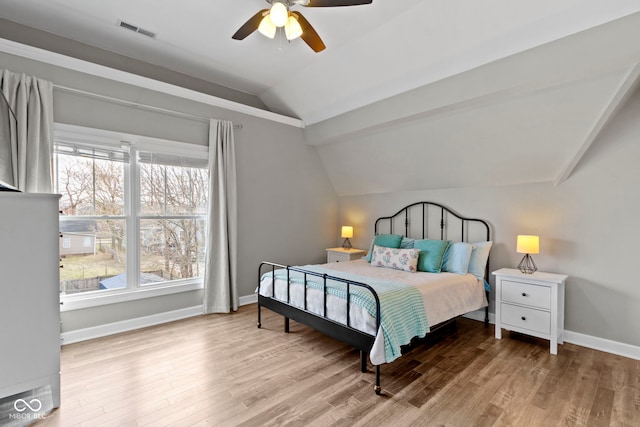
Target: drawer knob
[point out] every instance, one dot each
(523, 318)
(524, 294)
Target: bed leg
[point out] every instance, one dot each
(486, 312)
(286, 324)
(259, 318)
(377, 387)
(363, 361)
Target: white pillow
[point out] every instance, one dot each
(399, 259)
(479, 257)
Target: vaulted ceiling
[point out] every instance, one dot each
(452, 81)
(373, 51)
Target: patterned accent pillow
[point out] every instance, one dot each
(399, 259)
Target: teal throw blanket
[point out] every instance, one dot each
(402, 310)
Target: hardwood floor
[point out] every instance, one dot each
(222, 370)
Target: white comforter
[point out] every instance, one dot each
(445, 295)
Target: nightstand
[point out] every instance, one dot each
(531, 304)
(342, 255)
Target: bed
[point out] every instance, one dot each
(426, 266)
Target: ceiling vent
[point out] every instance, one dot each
(137, 29)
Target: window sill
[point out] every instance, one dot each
(79, 301)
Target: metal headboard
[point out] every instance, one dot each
(433, 218)
(429, 220)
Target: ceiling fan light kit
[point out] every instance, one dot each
(292, 28)
(267, 28)
(279, 15)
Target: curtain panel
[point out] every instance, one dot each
(220, 277)
(26, 142)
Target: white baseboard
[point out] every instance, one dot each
(595, 343)
(128, 325)
(249, 299)
(608, 346)
(139, 322)
(479, 316)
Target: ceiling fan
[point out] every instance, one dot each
(280, 15)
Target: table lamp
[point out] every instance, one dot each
(347, 233)
(528, 245)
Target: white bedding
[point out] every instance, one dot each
(445, 296)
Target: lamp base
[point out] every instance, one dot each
(527, 266)
(346, 244)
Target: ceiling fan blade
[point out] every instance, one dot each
(336, 3)
(250, 26)
(309, 35)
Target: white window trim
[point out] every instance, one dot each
(84, 135)
(106, 297)
(80, 134)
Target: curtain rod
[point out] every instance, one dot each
(138, 105)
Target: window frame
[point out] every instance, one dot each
(132, 216)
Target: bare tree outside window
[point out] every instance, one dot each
(172, 202)
(170, 224)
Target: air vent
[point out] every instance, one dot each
(137, 29)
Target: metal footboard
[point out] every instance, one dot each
(321, 322)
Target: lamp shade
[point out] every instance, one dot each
(267, 28)
(292, 28)
(278, 14)
(528, 244)
(347, 232)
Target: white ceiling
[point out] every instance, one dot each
(373, 52)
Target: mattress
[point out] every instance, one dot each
(445, 296)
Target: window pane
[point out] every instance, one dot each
(98, 265)
(89, 185)
(171, 249)
(171, 189)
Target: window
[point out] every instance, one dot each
(133, 214)
(173, 197)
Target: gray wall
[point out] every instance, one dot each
(287, 206)
(588, 227)
(289, 212)
(53, 43)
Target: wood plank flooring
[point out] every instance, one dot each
(221, 370)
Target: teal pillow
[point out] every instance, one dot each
(387, 240)
(456, 258)
(431, 253)
(479, 258)
(406, 243)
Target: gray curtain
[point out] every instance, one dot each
(220, 277)
(26, 143)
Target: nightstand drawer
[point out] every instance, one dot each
(334, 257)
(526, 318)
(526, 294)
(343, 255)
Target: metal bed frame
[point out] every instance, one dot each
(345, 332)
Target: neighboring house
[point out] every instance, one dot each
(77, 238)
(77, 244)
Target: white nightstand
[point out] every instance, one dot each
(341, 254)
(531, 304)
